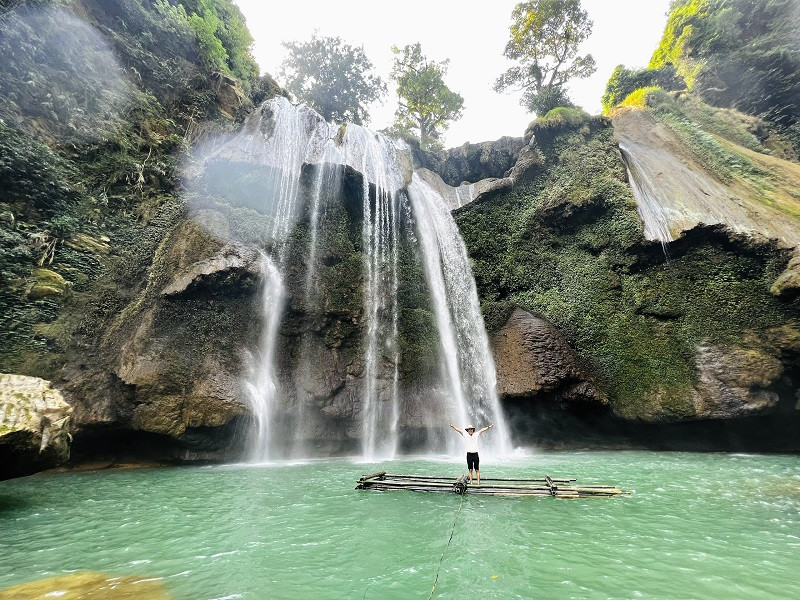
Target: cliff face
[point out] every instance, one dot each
(139, 299)
(101, 103)
(686, 333)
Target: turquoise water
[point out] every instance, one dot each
(697, 526)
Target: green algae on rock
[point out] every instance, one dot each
(89, 585)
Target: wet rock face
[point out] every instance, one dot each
(230, 95)
(34, 421)
(747, 380)
(171, 365)
(532, 358)
(734, 382)
(472, 162)
(787, 286)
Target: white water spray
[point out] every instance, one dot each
(283, 138)
(466, 359)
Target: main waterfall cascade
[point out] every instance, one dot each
(305, 160)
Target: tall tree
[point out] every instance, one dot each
(426, 103)
(545, 39)
(333, 77)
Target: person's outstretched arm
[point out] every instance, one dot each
(457, 429)
(486, 428)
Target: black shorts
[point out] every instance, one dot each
(473, 461)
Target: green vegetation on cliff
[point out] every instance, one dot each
(101, 102)
(738, 53)
(567, 245)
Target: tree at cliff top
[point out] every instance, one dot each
(333, 77)
(545, 39)
(221, 32)
(738, 53)
(426, 103)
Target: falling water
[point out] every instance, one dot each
(656, 224)
(466, 360)
(378, 156)
(283, 138)
(261, 382)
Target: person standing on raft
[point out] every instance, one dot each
(471, 445)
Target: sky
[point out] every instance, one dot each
(471, 34)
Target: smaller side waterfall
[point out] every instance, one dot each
(656, 223)
(261, 383)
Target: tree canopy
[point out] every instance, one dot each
(332, 77)
(545, 39)
(426, 103)
(221, 34)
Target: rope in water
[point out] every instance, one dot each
(441, 558)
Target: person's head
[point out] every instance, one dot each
(469, 429)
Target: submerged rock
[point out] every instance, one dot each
(89, 585)
(34, 421)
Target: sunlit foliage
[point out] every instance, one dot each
(426, 104)
(624, 81)
(545, 41)
(737, 53)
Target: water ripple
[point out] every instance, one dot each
(700, 525)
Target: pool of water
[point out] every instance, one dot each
(696, 526)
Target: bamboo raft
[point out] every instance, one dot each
(546, 486)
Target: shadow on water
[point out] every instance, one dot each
(10, 503)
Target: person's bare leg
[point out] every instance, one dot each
(478, 473)
(470, 475)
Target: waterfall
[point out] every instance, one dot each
(261, 381)
(378, 156)
(281, 140)
(466, 360)
(656, 223)
(306, 162)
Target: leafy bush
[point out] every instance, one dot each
(646, 97)
(556, 121)
(563, 117)
(223, 37)
(623, 82)
(33, 178)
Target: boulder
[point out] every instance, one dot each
(227, 268)
(734, 382)
(533, 358)
(787, 285)
(34, 421)
(230, 95)
(486, 160)
(465, 194)
(470, 163)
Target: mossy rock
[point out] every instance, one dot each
(47, 283)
